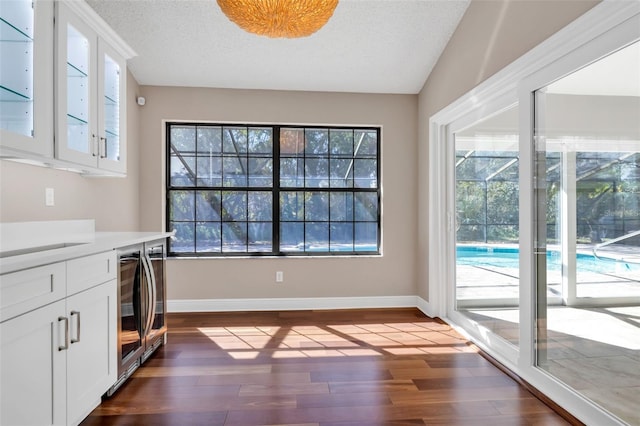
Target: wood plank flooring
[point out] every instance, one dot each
(323, 368)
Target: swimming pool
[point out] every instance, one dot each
(506, 257)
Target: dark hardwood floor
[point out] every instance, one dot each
(347, 367)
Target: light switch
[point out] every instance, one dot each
(49, 197)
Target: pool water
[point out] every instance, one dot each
(503, 257)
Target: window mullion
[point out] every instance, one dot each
(353, 218)
(304, 192)
(275, 191)
(246, 209)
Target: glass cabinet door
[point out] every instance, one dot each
(110, 105)
(91, 85)
(111, 109)
(79, 137)
(76, 138)
(26, 59)
(16, 80)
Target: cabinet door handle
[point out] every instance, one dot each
(66, 334)
(104, 144)
(77, 339)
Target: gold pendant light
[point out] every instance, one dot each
(279, 18)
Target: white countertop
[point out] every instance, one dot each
(81, 239)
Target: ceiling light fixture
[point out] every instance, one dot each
(279, 18)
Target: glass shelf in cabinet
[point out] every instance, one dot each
(73, 71)
(10, 33)
(111, 134)
(75, 121)
(108, 100)
(8, 95)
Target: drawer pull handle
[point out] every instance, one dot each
(66, 334)
(77, 339)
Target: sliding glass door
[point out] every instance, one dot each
(486, 224)
(534, 216)
(587, 153)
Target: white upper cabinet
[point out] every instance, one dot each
(90, 94)
(76, 121)
(26, 83)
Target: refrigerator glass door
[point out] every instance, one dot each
(156, 256)
(130, 335)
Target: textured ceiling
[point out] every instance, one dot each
(368, 46)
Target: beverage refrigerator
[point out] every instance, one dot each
(141, 306)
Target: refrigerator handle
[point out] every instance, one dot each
(148, 275)
(154, 290)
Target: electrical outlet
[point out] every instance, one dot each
(49, 199)
(279, 276)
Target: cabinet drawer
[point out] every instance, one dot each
(26, 290)
(89, 271)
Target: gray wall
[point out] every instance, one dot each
(393, 274)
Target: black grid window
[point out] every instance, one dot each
(275, 190)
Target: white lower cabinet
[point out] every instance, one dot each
(33, 380)
(59, 359)
(91, 358)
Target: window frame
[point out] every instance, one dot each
(276, 189)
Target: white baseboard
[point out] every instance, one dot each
(425, 307)
(290, 304)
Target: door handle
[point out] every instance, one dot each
(77, 339)
(66, 333)
(104, 144)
